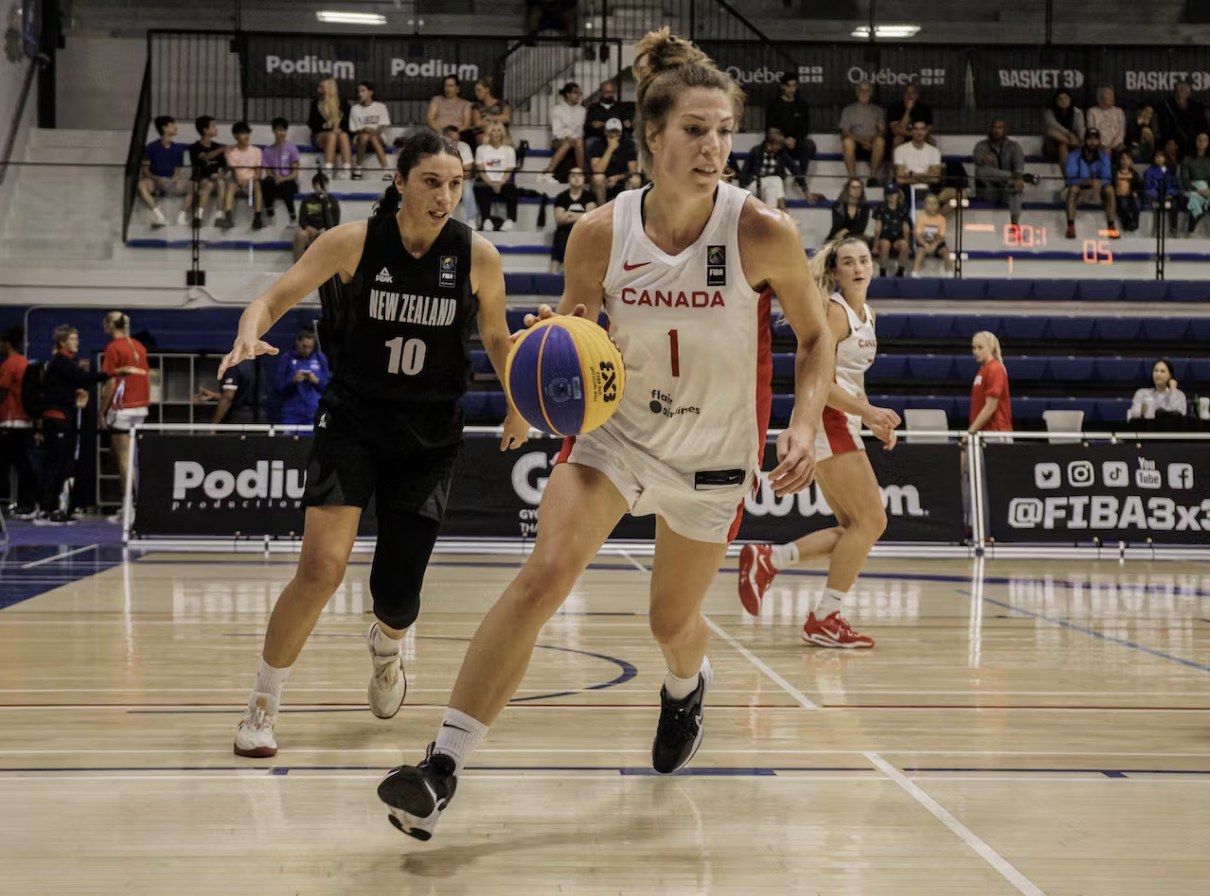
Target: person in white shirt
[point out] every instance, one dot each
(1109, 119)
(566, 129)
(496, 161)
(1164, 396)
(919, 163)
(468, 209)
(368, 121)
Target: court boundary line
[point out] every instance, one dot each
(1002, 866)
(59, 556)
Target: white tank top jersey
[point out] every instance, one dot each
(857, 351)
(696, 342)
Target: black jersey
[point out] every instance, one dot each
(398, 335)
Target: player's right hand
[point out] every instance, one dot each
(242, 350)
(880, 418)
(545, 312)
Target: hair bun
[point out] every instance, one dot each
(661, 50)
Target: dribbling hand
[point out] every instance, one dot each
(516, 431)
(242, 350)
(545, 312)
(796, 456)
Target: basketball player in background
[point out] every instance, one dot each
(685, 269)
(124, 400)
(389, 424)
(843, 270)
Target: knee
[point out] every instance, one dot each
(848, 143)
(671, 625)
(872, 524)
(541, 588)
(396, 603)
(320, 573)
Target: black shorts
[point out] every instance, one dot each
(350, 464)
(558, 247)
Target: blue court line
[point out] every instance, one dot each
(17, 585)
(1101, 635)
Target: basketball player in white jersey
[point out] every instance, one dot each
(843, 269)
(684, 270)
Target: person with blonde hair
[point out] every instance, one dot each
(329, 124)
(689, 457)
(843, 269)
(991, 404)
(125, 400)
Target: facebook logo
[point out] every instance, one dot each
(1180, 476)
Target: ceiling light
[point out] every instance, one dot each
(336, 17)
(887, 32)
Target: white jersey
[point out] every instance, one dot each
(857, 351)
(696, 342)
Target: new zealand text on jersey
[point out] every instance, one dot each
(405, 308)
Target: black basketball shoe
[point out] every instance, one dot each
(679, 733)
(417, 795)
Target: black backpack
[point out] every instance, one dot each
(31, 389)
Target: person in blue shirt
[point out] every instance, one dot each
(1089, 174)
(302, 376)
(164, 172)
(1161, 182)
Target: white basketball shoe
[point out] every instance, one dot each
(254, 736)
(388, 684)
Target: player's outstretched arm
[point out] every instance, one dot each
(487, 283)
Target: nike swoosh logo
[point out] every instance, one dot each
(627, 266)
(765, 565)
(455, 727)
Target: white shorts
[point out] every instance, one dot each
(126, 418)
(698, 506)
(839, 433)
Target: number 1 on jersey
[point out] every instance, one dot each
(674, 348)
(406, 357)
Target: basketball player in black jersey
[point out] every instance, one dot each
(389, 426)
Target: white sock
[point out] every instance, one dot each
(384, 644)
(785, 555)
(459, 737)
(680, 688)
(270, 680)
(830, 603)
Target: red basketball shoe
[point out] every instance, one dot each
(756, 573)
(834, 631)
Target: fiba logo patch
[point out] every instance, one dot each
(449, 271)
(716, 265)
(563, 389)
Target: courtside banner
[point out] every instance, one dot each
(399, 69)
(1157, 492)
(496, 494)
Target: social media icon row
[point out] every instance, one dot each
(1114, 474)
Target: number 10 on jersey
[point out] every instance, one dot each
(406, 357)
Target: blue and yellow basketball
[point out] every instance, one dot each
(565, 375)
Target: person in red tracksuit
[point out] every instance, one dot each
(16, 429)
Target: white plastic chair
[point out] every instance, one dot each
(928, 420)
(1064, 421)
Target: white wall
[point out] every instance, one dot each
(98, 81)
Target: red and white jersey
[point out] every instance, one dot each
(696, 342)
(857, 351)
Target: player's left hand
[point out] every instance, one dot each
(889, 436)
(796, 456)
(516, 431)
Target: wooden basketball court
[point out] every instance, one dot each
(1021, 727)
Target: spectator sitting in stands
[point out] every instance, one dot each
(1140, 133)
(368, 121)
(329, 124)
(605, 108)
(1182, 118)
(919, 162)
(164, 172)
(570, 206)
(1000, 169)
(449, 109)
(1127, 184)
(1090, 175)
(281, 159)
(486, 110)
(1162, 399)
(496, 162)
(1195, 179)
(863, 133)
(904, 113)
(302, 376)
(790, 114)
(614, 159)
(237, 393)
(557, 15)
(636, 181)
(768, 166)
(16, 429)
(244, 160)
(468, 209)
(851, 213)
(1107, 118)
(566, 130)
(892, 231)
(320, 211)
(209, 168)
(1162, 186)
(1063, 129)
(930, 236)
